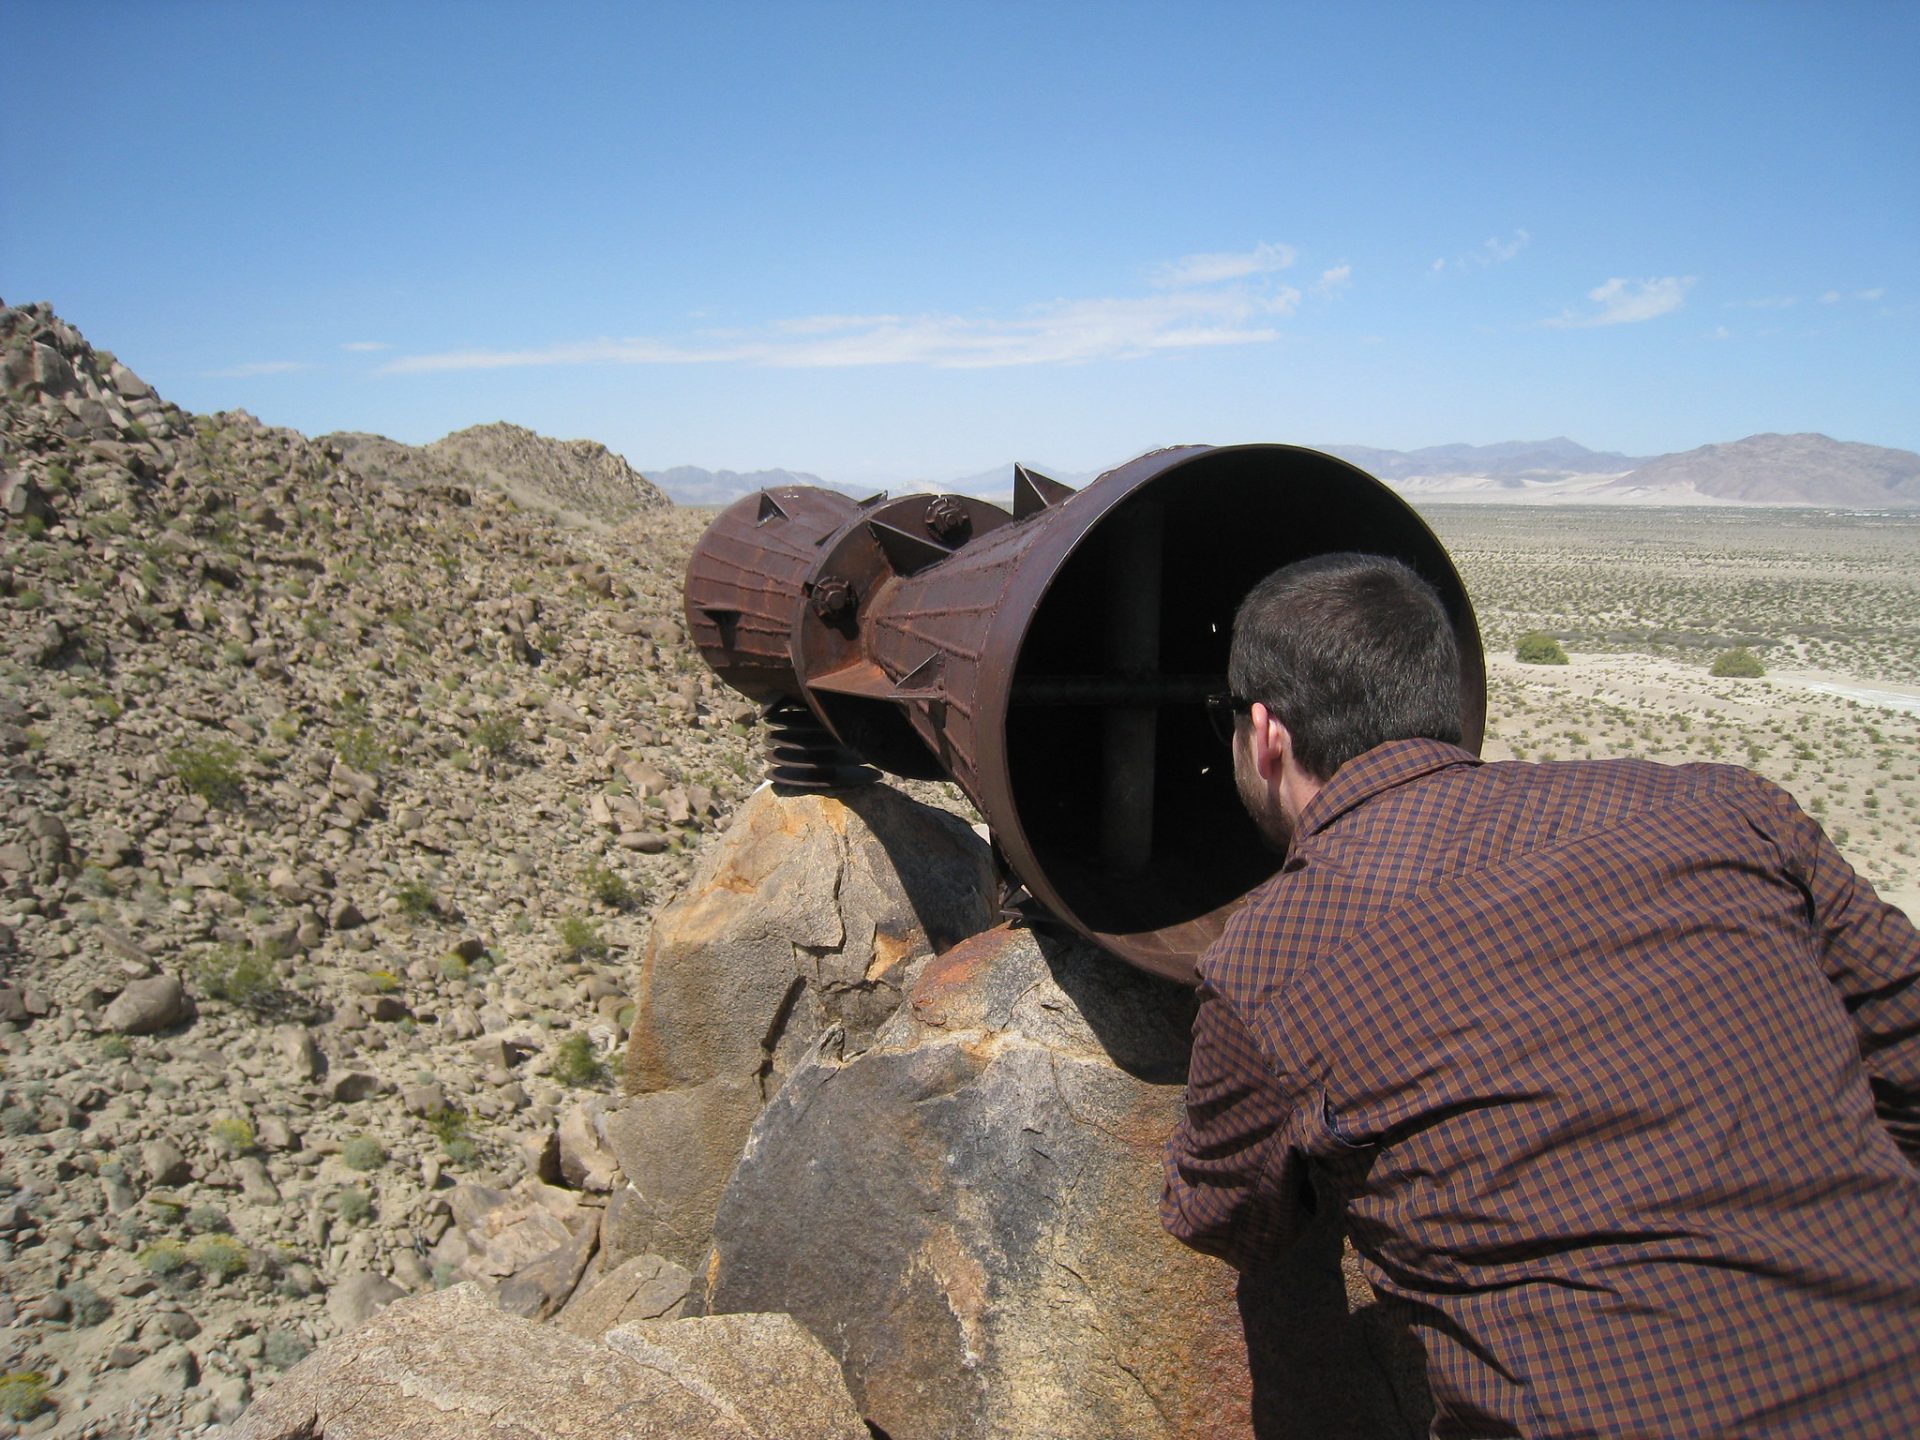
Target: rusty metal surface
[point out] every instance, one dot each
(1054, 662)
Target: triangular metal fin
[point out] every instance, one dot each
(769, 509)
(905, 551)
(727, 622)
(873, 499)
(1034, 492)
(925, 679)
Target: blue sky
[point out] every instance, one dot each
(888, 242)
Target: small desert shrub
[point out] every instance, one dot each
(23, 1394)
(354, 1205)
(164, 1258)
(88, 1305)
(454, 966)
(234, 1132)
(220, 1256)
(115, 1047)
(363, 1152)
(210, 1219)
(575, 1063)
(1536, 647)
(609, 887)
(578, 937)
(385, 982)
(211, 771)
(238, 976)
(1738, 663)
(495, 735)
(448, 1123)
(361, 747)
(283, 1349)
(416, 899)
(463, 1151)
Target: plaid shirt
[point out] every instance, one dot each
(1612, 1066)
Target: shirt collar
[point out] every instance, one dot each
(1381, 768)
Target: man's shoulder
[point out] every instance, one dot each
(1290, 921)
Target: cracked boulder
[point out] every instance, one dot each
(448, 1366)
(966, 1215)
(807, 915)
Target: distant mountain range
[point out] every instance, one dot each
(1805, 470)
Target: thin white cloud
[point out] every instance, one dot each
(1056, 332)
(1334, 280)
(1212, 269)
(1764, 302)
(1627, 302)
(257, 367)
(365, 346)
(1492, 251)
(1834, 297)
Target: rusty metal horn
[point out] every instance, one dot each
(1054, 660)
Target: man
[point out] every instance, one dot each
(1611, 1065)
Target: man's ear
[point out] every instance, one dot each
(1271, 741)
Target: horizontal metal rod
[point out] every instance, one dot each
(1142, 690)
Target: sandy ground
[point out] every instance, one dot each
(1809, 730)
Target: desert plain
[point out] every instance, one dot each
(1643, 599)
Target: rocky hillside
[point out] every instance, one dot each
(1785, 470)
(332, 810)
(580, 481)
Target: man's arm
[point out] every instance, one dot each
(1234, 1186)
(1871, 953)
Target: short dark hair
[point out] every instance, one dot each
(1349, 651)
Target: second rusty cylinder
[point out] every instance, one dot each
(1054, 658)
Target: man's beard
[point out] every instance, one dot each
(1273, 823)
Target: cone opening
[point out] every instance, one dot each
(1124, 792)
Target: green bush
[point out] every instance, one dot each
(610, 887)
(578, 937)
(164, 1258)
(495, 735)
(220, 1256)
(363, 1152)
(211, 771)
(1536, 647)
(362, 748)
(23, 1394)
(416, 899)
(448, 1123)
(209, 1219)
(242, 977)
(575, 1063)
(234, 1132)
(354, 1205)
(1738, 663)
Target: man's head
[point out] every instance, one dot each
(1338, 654)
